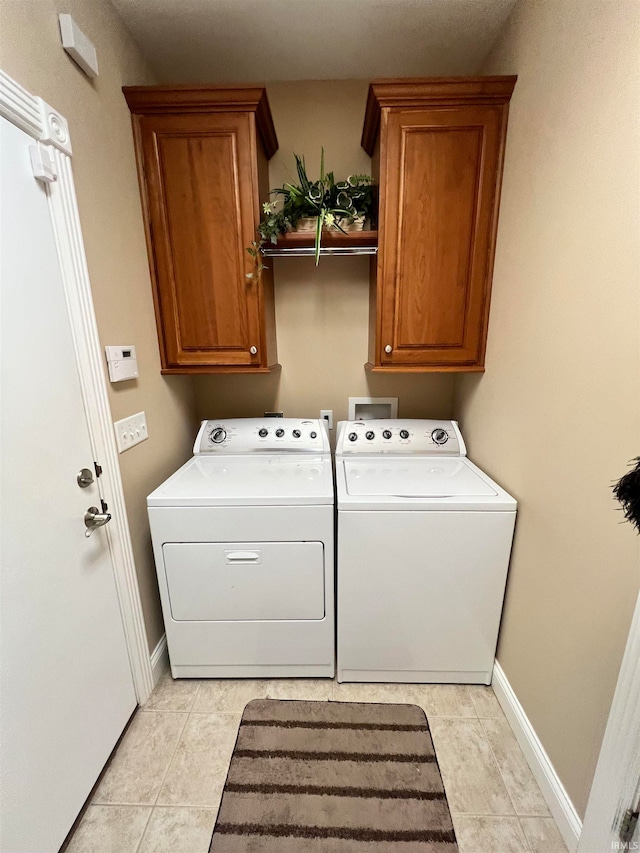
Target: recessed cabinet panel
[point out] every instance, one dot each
(437, 153)
(199, 177)
(436, 232)
(202, 162)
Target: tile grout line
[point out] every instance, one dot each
(506, 787)
(173, 754)
(550, 818)
(503, 777)
(195, 696)
(497, 763)
(144, 830)
(524, 835)
(511, 816)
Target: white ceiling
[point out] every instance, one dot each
(242, 40)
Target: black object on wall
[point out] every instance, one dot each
(627, 491)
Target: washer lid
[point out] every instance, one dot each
(418, 484)
(440, 477)
(280, 480)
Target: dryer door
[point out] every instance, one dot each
(240, 581)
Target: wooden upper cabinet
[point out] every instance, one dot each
(202, 161)
(437, 149)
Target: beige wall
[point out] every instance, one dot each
(321, 313)
(108, 199)
(556, 416)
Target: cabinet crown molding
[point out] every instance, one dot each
(408, 92)
(143, 100)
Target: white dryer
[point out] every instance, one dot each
(244, 550)
(424, 540)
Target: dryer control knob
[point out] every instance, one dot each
(370, 435)
(313, 434)
(218, 435)
(279, 432)
(440, 436)
(263, 433)
(404, 433)
(387, 433)
(296, 433)
(353, 436)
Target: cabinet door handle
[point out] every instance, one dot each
(253, 350)
(388, 348)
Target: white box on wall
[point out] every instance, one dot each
(122, 363)
(367, 408)
(78, 46)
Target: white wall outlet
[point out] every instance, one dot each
(327, 415)
(131, 431)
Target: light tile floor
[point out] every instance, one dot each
(162, 789)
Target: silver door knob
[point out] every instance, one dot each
(388, 348)
(253, 350)
(93, 519)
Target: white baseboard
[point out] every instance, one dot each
(159, 659)
(554, 792)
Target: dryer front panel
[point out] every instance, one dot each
(222, 581)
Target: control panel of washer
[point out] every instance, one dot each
(262, 435)
(407, 436)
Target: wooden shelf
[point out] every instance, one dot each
(302, 244)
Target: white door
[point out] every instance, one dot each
(66, 687)
(616, 785)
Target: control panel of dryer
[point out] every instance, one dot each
(262, 435)
(402, 436)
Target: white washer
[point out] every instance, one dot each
(424, 539)
(244, 549)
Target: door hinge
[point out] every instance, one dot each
(628, 825)
(98, 469)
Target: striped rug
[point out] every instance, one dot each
(333, 777)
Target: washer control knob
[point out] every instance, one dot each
(370, 435)
(263, 432)
(218, 435)
(387, 433)
(440, 436)
(353, 436)
(313, 434)
(279, 432)
(296, 433)
(404, 433)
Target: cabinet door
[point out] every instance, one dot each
(441, 168)
(199, 171)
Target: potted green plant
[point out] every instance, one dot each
(315, 205)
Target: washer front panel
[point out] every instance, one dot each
(421, 594)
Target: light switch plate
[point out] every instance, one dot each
(131, 431)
